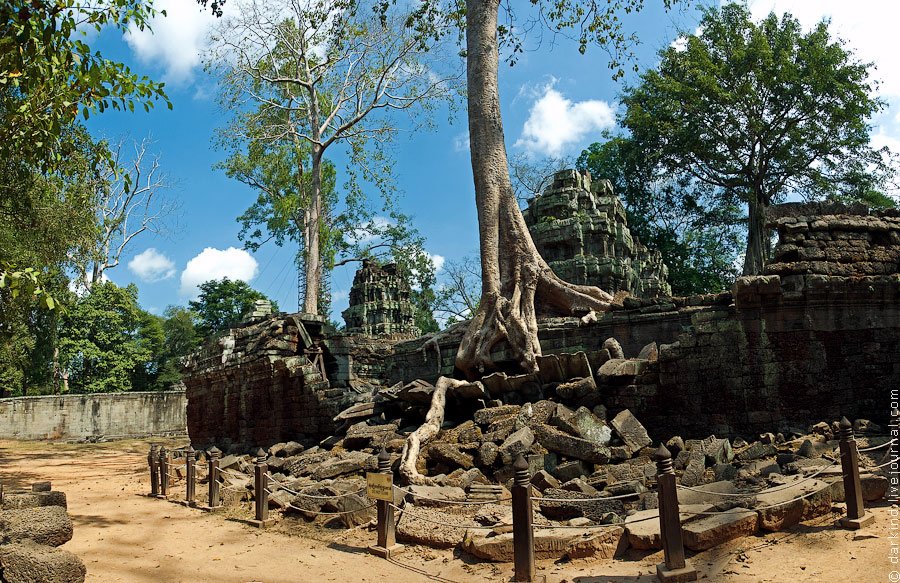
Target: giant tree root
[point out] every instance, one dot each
(511, 316)
(425, 432)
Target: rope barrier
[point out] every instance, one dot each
(887, 463)
(598, 499)
(311, 496)
(873, 448)
(372, 505)
(447, 524)
(758, 508)
(746, 494)
(451, 502)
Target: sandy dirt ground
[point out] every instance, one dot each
(124, 536)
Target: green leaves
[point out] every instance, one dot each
(758, 111)
(49, 76)
(223, 303)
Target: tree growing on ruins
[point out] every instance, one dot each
(323, 76)
(759, 111)
(695, 228)
(223, 303)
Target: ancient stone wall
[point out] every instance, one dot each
(816, 339)
(380, 303)
(580, 228)
(93, 416)
(256, 386)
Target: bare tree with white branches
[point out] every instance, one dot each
(316, 74)
(129, 201)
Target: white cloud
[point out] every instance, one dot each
(212, 263)
(151, 265)
(370, 231)
(461, 142)
(176, 40)
(437, 261)
(555, 123)
(680, 43)
(870, 29)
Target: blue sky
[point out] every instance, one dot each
(554, 101)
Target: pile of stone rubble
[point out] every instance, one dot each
(592, 472)
(33, 525)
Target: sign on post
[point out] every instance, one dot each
(379, 486)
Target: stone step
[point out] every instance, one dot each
(710, 531)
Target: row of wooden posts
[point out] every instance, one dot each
(675, 567)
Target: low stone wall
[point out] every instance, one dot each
(107, 415)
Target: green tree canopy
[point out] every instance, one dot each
(49, 75)
(759, 111)
(101, 343)
(223, 303)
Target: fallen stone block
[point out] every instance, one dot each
(47, 525)
(559, 504)
(450, 455)
(695, 497)
(590, 427)
(874, 487)
(517, 443)
(604, 543)
(28, 562)
(414, 527)
(576, 447)
(786, 505)
(756, 450)
(543, 480)
(570, 470)
(642, 527)
(630, 430)
(576, 388)
(710, 531)
(491, 414)
(14, 500)
(363, 435)
(549, 543)
(434, 495)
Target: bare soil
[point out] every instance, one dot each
(124, 536)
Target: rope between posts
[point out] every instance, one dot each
(599, 499)
(623, 524)
(792, 500)
(873, 448)
(311, 496)
(746, 494)
(451, 502)
(887, 463)
(447, 524)
(372, 505)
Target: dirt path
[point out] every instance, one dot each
(123, 536)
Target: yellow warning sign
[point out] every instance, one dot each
(379, 486)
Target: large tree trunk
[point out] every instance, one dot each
(513, 274)
(757, 239)
(313, 265)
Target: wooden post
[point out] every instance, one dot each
(856, 511)
(163, 472)
(152, 460)
(523, 525)
(213, 455)
(387, 527)
(190, 474)
(675, 569)
(261, 495)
